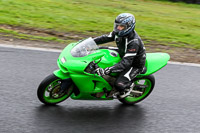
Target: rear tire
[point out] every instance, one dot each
(48, 89)
(148, 81)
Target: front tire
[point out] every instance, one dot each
(148, 82)
(48, 91)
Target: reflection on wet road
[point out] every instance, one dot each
(107, 117)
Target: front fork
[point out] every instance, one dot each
(66, 80)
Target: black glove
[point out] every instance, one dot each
(102, 72)
(107, 71)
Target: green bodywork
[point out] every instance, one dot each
(87, 83)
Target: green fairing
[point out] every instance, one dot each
(154, 62)
(76, 77)
(89, 85)
(84, 81)
(92, 83)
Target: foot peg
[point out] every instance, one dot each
(126, 93)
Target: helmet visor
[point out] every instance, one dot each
(119, 27)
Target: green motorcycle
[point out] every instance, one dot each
(76, 77)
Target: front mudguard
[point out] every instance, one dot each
(61, 75)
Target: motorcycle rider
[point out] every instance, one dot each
(130, 48)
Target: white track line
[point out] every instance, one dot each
(58, 51)
(184, 63)
(30, 48)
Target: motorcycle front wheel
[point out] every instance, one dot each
(143, 87)
(48, 91)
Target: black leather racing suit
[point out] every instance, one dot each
(132, 51)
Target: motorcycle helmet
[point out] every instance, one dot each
(124, 24)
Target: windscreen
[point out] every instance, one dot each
(84, 48)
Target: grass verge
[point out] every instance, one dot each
(166, 23)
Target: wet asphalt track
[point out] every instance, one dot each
(173, 106)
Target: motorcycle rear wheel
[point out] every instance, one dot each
(48, 91)
(148, 82)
